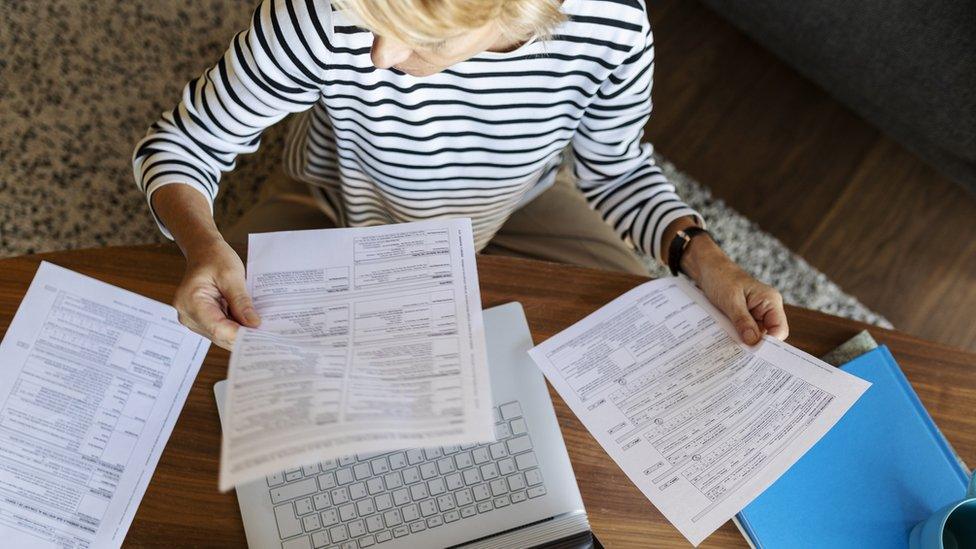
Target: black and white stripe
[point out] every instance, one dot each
(477, 140)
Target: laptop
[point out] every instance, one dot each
(517, 492)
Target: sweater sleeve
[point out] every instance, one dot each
(271, 69)
(614, 169)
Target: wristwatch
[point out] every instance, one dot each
(680, 243)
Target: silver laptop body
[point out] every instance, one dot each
(517, 492)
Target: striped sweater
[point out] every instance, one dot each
(477, 140)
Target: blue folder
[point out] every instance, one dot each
(883, 468)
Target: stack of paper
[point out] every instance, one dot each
(371, 340)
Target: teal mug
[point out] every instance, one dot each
(952, 527)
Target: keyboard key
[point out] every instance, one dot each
(411, 475)
(303, 506)
(507, 466)
(338, 533)
(485, 506)
(375, 485)
(320, 539)
(365, 507)
(434, 453)
(437, 486)
(348, 545)
(451, 516)
(498, 414)
(526, 461)
(410, 512)
(321, 501)
(374, 523)
(344, 476)
(434, 522)
(499, 487)
(419, 492)
(463, 497)
(415, 456)
(380, 466)
(445, 502)
(311, 522)
(489, 472)
(516, 482)
(398, 461)
(401, 497)
(328, 465)
(288, 523)
(383, 502)
(519, 497)
(463, 460)
(428, 507)
(357, 491)
(502, 431)
(275, 479)
(293, 474)
(451, 449)
(537, 491)
(393, 481)
(511, 410)
(347, 512)
(310, 470)
(297, 543)
(418, 526)
(472, 476)
(533, 477)
(327, 481)
(356, 528)
(385, 535)
(454, 481)
(498, 450)
(392, 518)
(481, 492)
(368, 541)
(302, 488)
(329, 517)
(428, 470)
(346, 460)
(362, 470)
(518, 427)
(401, 531)
(468, 511)
(501, 502)
(339, 496)
(519, 444)
(445, 465)
(481, 455)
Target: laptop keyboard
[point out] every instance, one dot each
(365, 500)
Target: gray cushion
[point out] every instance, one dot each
(908, 67)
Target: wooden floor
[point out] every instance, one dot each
(884, 225)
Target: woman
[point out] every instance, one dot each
(415, 109)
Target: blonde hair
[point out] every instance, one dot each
(425, 22)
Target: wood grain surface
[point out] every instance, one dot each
(182, 506)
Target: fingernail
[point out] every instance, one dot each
(749, 335)
(250, 316)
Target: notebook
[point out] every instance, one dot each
(883, 468)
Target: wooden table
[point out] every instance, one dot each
(182, 506)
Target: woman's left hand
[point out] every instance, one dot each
(753, 307)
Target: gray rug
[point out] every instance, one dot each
(81, 80)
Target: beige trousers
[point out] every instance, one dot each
(558, 226)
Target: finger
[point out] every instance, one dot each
(767, 308)
(241, 307)
(774, 320)
(211, 322)
(745, 324)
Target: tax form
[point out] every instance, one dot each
(700, 422)
(93, 380)
(371, 339)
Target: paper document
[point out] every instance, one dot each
(93, 380)
(371, 339)
(701, 423)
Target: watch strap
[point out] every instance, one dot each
(679, 244)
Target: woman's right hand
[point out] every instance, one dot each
(212, 299)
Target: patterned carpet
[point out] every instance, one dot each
(81, 80)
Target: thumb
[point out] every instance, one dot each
(741, 318)
(241, 306)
